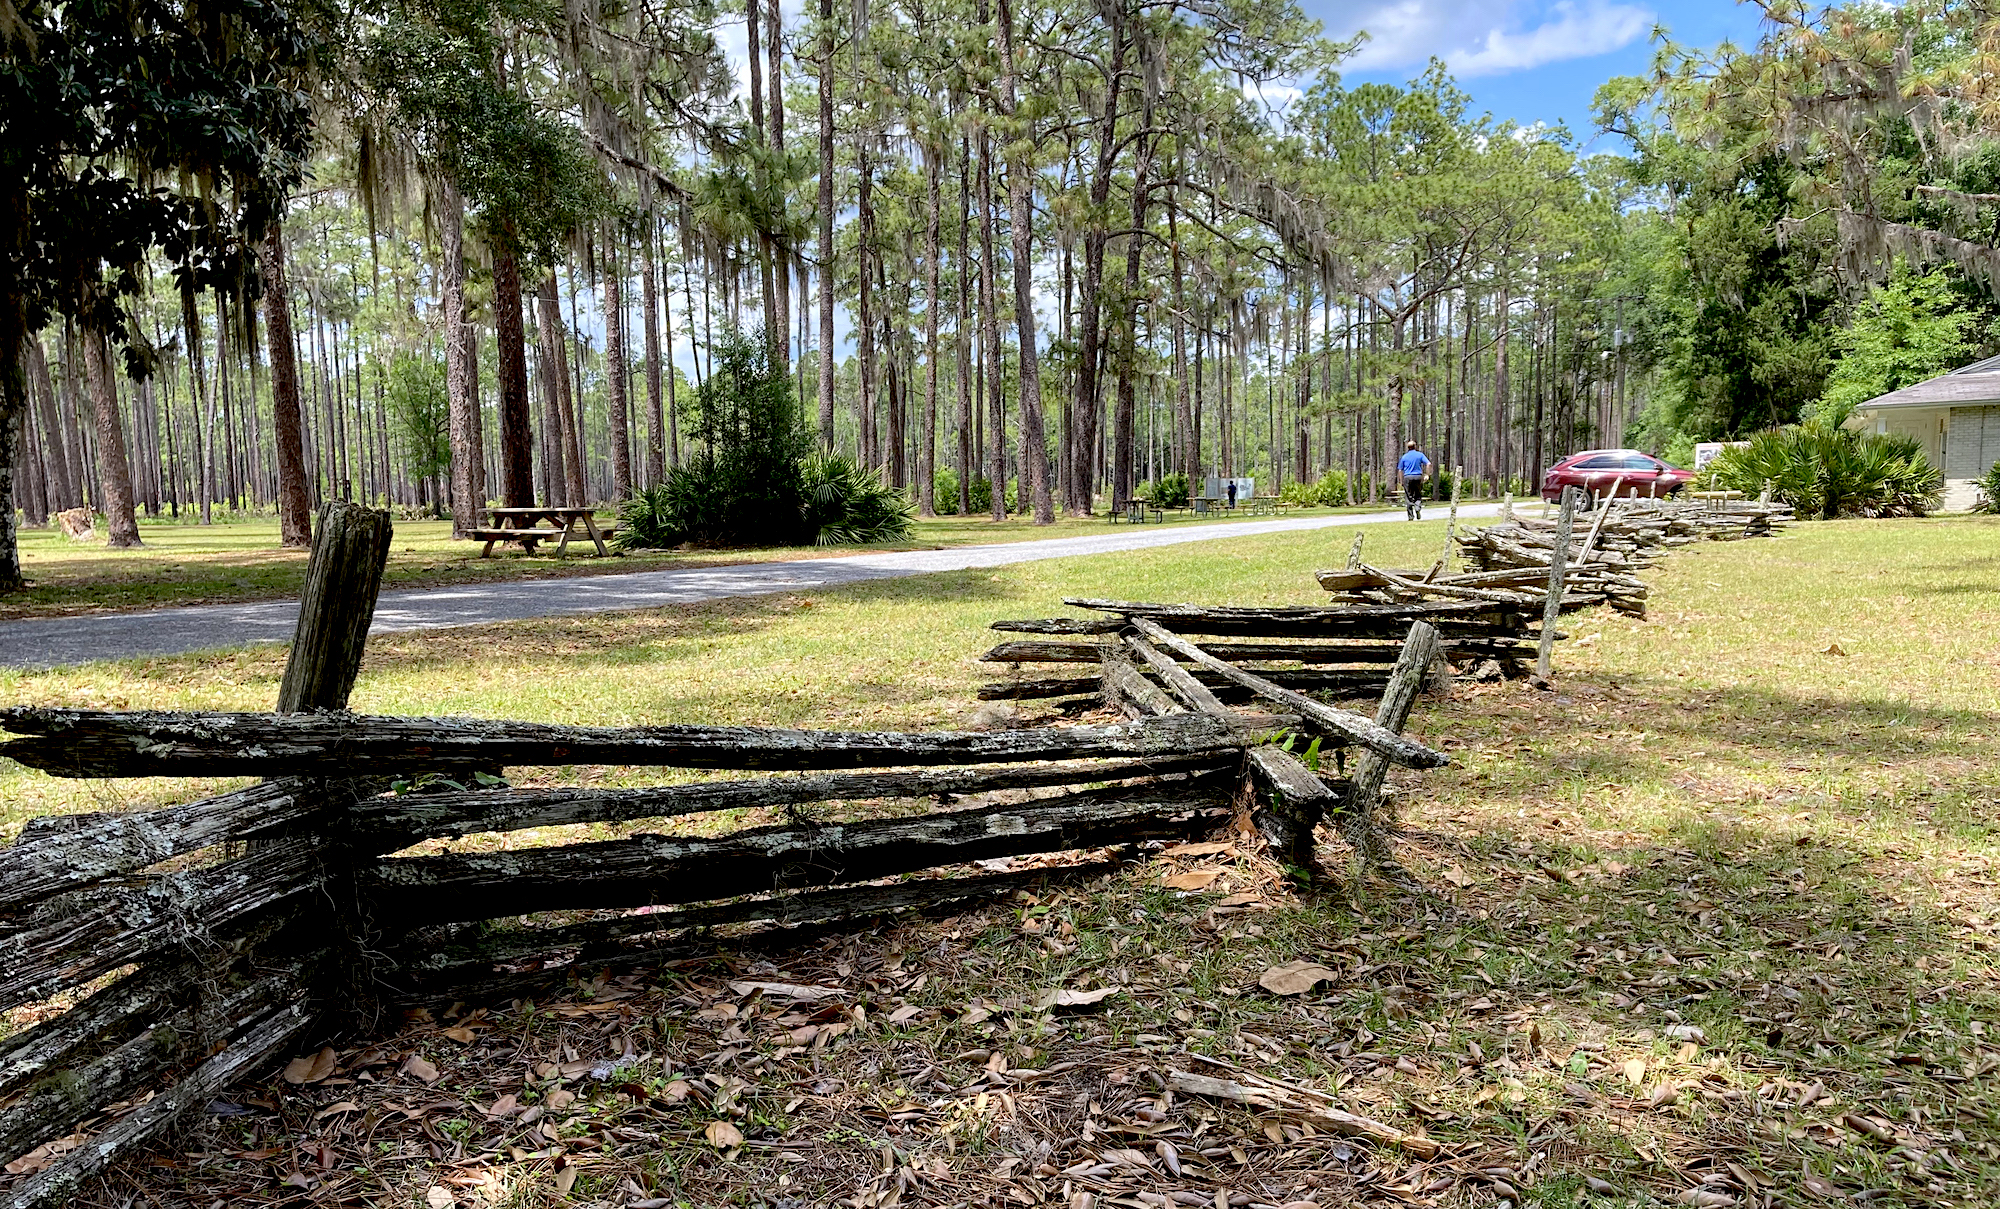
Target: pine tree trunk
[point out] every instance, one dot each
(1080, 490)
(1186, 456)
(1021, 220)
(114, 469)
(826, 250)
(996, 424)
(517, 473)
(14, 341)
(960, 335)
(781, 253)
(656, 427)
(64, 492)
(70, 409)
(667, 370)
(551, 372)
(569, 484)
(1124, 445)
(1503, 463)
(612, 288)
(294, 508)
(933, 247)
(864, 322)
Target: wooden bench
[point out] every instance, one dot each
(1137, 512)
(527, 539)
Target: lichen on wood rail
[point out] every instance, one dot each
(94, 743)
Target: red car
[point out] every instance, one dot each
(1596, 470)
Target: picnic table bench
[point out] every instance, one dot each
(1137, 512)
(1263, 505)
(524, 527)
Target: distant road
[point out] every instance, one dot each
(61, 641)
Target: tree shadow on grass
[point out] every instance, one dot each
(1741, 915)
(1634, 733)
(1740, 968)
(581, 641)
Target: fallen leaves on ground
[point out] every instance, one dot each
(1295, 977)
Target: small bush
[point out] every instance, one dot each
(1827, 472)
(1170, 492)
(1989, 490)
(944, 489)
(849, 506)
(651, 520)
(982, 495)
(1329, 491)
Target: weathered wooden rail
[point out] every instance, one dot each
(1348, 650)
(1512, 563)
(177, 950)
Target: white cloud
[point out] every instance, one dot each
(1482, 37)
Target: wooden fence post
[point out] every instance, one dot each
(349, 551)
(1450, 525)
(1364, 796)
(1552, 607)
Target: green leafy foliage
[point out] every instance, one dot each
(1171, 491)
(420, 413)
(744, 485)
(945, 491)
(1914, 328)
(982, 496)
(425, 82)
(849, 506)
(1827, 472)
(756, 478)
(1329, 491)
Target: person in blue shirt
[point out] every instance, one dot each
(1416, 468)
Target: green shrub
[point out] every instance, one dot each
(1298, 494)
(654, 518)
(944, 488)
(744, 484)
(420, 413)
(849, 506)
(982, 495)
(1170, 492)
(1989, 490)
(1329, 491)
(1826, 472)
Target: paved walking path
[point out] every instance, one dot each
(59, 641)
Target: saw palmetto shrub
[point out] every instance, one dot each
(1989, 490)
(1825, 472)
(849, 506)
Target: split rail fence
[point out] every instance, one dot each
(164, 955)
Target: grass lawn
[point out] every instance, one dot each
(241, 560)
(1713, 923)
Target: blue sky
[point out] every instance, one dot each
(1525, 60)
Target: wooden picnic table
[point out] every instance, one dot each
(1263, 505)
(524, 527)
(1137, 512)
